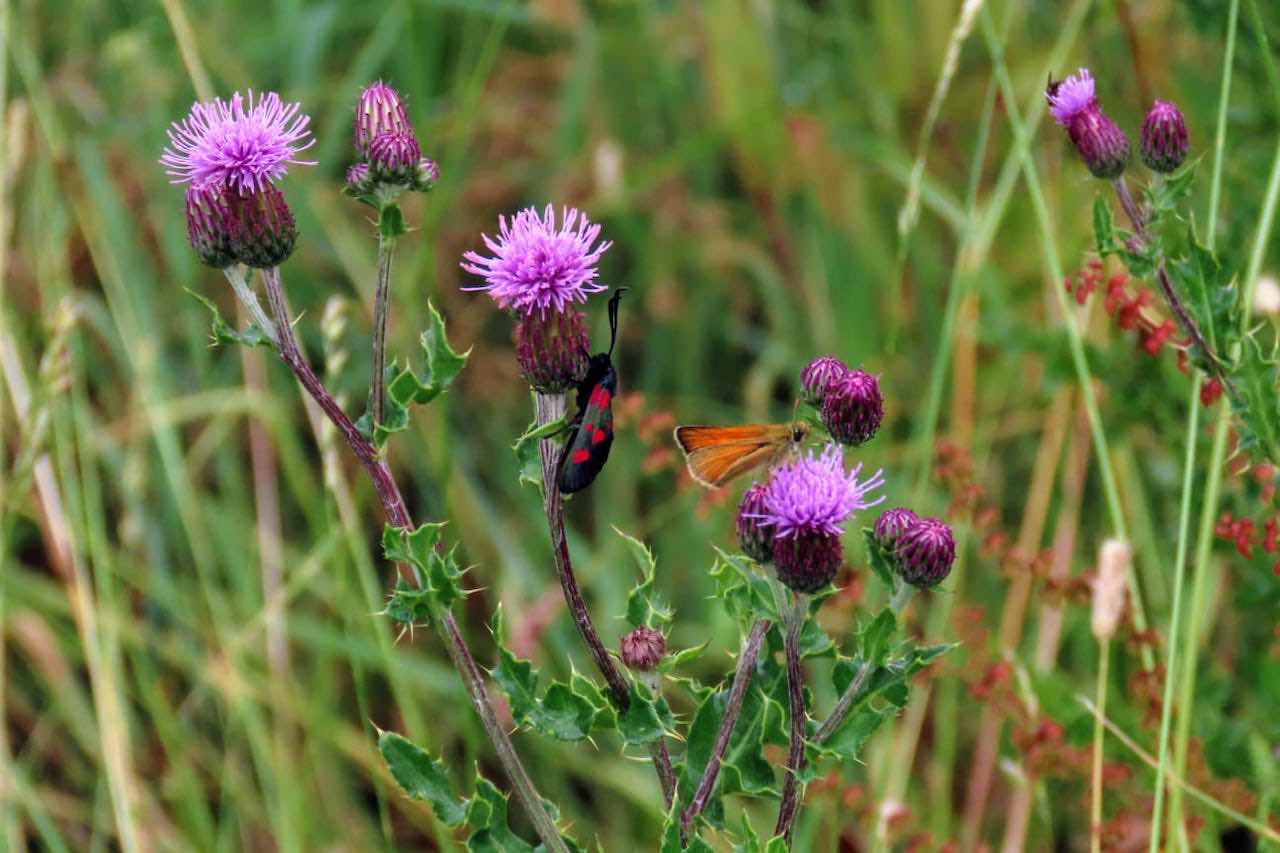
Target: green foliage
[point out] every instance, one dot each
(437, 572)
(391, 222)
(566, 712)
(647, 717)
(221, 332)
(644, 607)
(406, 388)
(1257, 408)
(422, 777)
(744, 592)
(528, 449)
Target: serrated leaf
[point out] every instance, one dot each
(1104, 227)
(647, 718)
(221, 332)
(487, 817)
(671, 842)
(880, 560)
(1258, 407)
(1209, 292)
(422, 777)
(1163, 196)
(674, 660)
(438, 572)
(873, 640)
(409, 605)
(528, 449)
(644, 607)
(745, 593)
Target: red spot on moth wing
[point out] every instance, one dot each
(604, 396)
(580, 455)
(599, 436)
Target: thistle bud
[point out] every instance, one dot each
(807, 560)
(394, 157)
(1101, 143)
(426, 176)
(643, 649)
(359, 181)
(755, 538)
(890, 526)
(264, 233)
(925, 553)
(1164, 137)
(552, 349)
(818, 375)
(853, 408)
(210, 226)
(379, 110)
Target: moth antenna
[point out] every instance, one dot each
(613, 316)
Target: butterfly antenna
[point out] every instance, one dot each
(613, 316)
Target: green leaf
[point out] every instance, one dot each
(674, 660)
(439, 573)
(528, 449)
(422, 777)
(1211, 295)
(1163, 196)
(391, 221)
(670, 842)
(873, 640)
(646, 719)
(1258, 408)
(644, 608)
(405, 388)
(880, 559)
(1104, 227)
(567, 712)
(487, 817)
(745, 593)
(221, 332)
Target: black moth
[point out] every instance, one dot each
(591, 432)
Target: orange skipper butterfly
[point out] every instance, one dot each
(717, 454)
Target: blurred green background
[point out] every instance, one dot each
(190, 572)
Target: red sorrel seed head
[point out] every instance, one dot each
(808, 560)
(853, 408)
(264, 233)
(1164, 137)
(552, 349)
(755, 538)
(643, 648)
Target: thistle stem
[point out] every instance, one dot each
(239, 283)
(381, 300)
(398, 515)
(1095, 798)
(790, 804)
(549, 408)
(732, 708)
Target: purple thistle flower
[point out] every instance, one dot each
(379, 110)
(393, 157)
(925, 553)
(551, 350)
(819, 374)
(242, 144)
(890, 526)
(853, 408)
(643, 648)
(1164, 137)
(755, 537)
(210, 226)
(815, 495)
(1102, 144)
(536, 265)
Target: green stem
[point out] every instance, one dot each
(381, 300)
(1099, 732)
(239, 283)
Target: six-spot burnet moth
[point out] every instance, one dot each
(591, 432)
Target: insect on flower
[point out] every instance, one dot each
(717, 454)
(591, 433)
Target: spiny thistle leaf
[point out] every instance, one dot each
(438, 572)
(221, 332)
(644, 607)
(1258, 407)
(745, 593)
(647, 718)
(422, 777)
(528, 449)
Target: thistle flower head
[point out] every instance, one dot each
(264, 233)
(755, 538)
(379, 110)
(815, 495)
(853, 408)
(359, 180)
(1164, 137)
(393, 157)
(536, 265)
(426, 176)
(243, 144)
(819, 374)
(210, 226)
(643, 648)
(925, 553)
(807, 561)
(891, 524)
(1101, 143)
(551, 350)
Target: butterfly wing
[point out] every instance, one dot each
(588, 446)
(715, 455)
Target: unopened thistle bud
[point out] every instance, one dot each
(853, 408)
(755, 537)
(925, 553)
(210, 226)
(890, 526)
(379, 110)
(643, 649)
(552, 349)
(1109, 588)
(359, 181)
(1100, 141)
(1164, 137)
(264, 233)
(426, 176)
(394, 157)
(819, 374)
